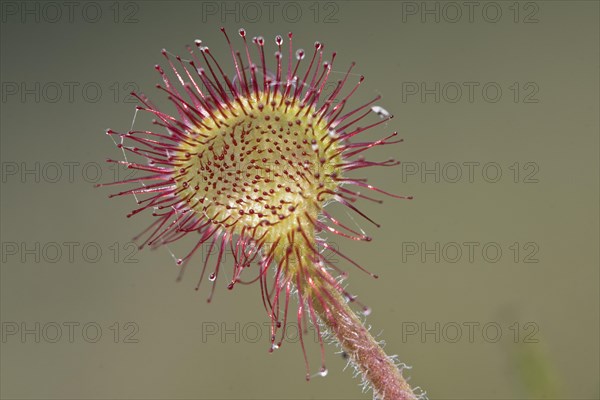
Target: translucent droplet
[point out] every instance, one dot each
(299, 54)
(323, 372)
(366, 311)
(212, 277)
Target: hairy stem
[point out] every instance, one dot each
(364, 351)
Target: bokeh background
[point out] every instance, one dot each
(489, 282)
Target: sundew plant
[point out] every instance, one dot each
(248, 163)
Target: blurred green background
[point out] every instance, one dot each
(519, 324)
